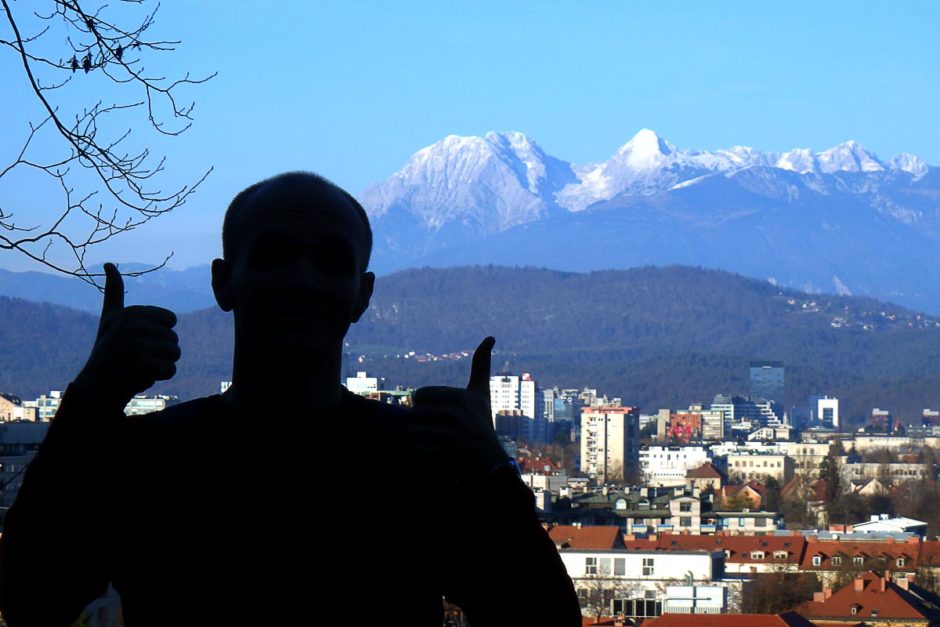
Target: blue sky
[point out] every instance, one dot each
(351, 89)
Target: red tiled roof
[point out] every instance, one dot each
(705, 471)
(890, 550)
(587, 537)
(738, 548)
(538, 465)
(791, 619)
(869, 593)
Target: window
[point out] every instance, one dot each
(590, 565)
(742, 522)
(620, 566)
(817, 560)
(685, 507)
(900, 561)
(760, 522)
(757, 555)
(858, 560)
(648, 566)
(837, 561)
(685, 521)
(603, 566)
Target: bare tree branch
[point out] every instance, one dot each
(93, 158)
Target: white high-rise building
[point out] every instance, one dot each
(514, 393)
(827, 410)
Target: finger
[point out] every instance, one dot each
(159, 349)
(134, 329)
(480, 368)
(154, 314)
(158, 369)
(113, 291)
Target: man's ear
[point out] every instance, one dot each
(366, 285)
(222, 284)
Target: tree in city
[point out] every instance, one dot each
(779, 591)
(94, 177)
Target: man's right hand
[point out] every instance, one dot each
(135, 346)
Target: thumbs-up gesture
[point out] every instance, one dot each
(135, 346)
(452, 428)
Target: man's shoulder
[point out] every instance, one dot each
(392, 416)
(179, 417)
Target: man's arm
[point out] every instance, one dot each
(508, 570)
(53, 559)
(54, 549)
(505, 569)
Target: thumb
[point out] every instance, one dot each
(480, 368)
(113, 291)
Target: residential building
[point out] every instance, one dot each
(808, 457)
(610, 442)
(705, 478)
(362, 384)
(46, 405)
(636, 583)
(830, 555)
(875, 600)
(514, 393)
(759, 465)
(744, 554)
(10, 407)
(668, 465)
(893, 473)
(784, 619)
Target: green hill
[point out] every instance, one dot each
(657, 337)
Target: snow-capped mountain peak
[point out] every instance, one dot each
(494, 182)
(848, 156)
(645, 149)
(907, 162)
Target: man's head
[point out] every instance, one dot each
(295, 254)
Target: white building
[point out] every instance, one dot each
(668, 465)
(827, 410)
(882, 523)
(143, 404)
(514, 393)
(362, 384)
(45, 406)
(643, 584)
(610, 442)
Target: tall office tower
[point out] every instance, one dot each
(767, 380)
(610, 442)
(827, 410)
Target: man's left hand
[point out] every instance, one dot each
(452, 428)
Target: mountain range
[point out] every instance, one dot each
(842, 220)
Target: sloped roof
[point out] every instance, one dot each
(891, 551)
(738, 548)
(705, 471)
(791, 619)
(885, 598)
(587, 537)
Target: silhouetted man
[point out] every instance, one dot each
(287, 499)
